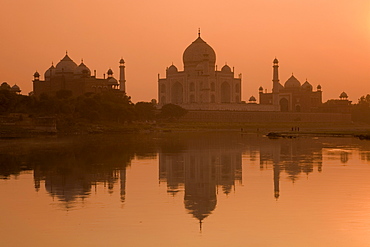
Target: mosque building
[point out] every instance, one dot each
(67, 75)
(293, 96)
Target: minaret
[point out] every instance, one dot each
(122, 80)
(275, 82)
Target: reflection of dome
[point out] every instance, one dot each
(307, 86)
(292, 82)
(66, 65)
(226, 68)
(197, 52)
(199, 207)
(172, 69)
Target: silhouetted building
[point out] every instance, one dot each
(200, 85)
(292, 97)
(67, 75)
(15, 88)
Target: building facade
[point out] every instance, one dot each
(200, 85)
(293, 96)
(67, 75)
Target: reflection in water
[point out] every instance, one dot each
(200, 165)
(203, 165)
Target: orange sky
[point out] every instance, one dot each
(325, 41)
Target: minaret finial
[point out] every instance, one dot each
(198, 32)
(66, 52)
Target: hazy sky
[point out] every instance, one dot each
(325, 41)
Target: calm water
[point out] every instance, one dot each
(188, 189)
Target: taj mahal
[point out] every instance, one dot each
(201, 86)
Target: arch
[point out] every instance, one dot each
(163, 88)
(237, 99)
(225, 92)
(192, 98)
(213, 99)
(192, 87)
(177, 93)
(213, 86)
(163, 100)
(298, 108)
(237, 88)
(284, 104)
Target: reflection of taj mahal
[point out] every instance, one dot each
(200, 86)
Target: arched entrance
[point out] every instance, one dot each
(177, 93)
(225, 93)
(284, 104)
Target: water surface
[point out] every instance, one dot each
(184, 189)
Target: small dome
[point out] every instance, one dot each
(66, 65)
(292, 82)
(343, 95)
(260, 88)
(82, 69)
(172, 69)
(121, 61)
(5, 85)
(36, 74)
(318, 87)
(275, 60)
(110, 72)
(252, 99)
(307, 86)
(15, 88)
(197, 51)
(50, 72)
(226, 68)
(112, 80)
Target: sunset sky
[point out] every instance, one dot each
(325, 41)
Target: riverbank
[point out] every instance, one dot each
(20, 130)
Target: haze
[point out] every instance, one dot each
(325, 41)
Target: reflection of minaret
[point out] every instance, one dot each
(122, 176)
(276, 180)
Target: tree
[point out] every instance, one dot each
(361, 110)
(171, 111)
(144, 111)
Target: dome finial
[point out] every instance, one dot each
(198, 32)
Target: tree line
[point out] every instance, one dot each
(105, 106)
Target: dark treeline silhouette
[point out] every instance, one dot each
(361, 110)
(105, 106)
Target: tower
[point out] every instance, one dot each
(122, 80)
(275, 82)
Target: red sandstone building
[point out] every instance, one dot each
(67, 75)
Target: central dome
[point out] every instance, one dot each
(197, 52)
(66, 65)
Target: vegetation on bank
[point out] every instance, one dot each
(112, 112)
(105, 111)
